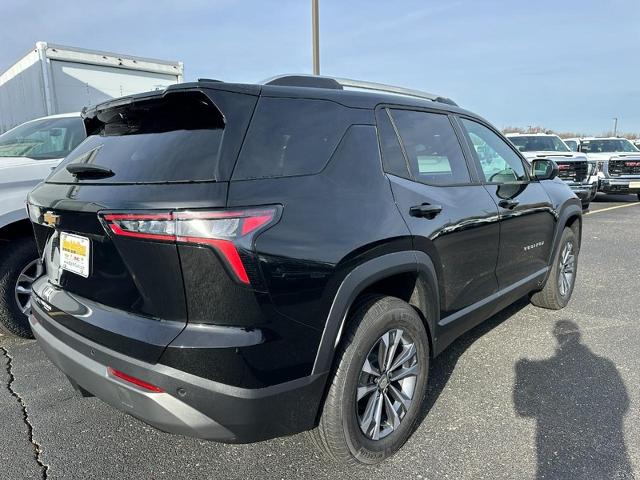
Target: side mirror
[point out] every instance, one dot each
(544, 169)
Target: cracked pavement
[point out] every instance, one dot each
(10, 379)
(518, 397)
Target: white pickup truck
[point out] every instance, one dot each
(573, 167)
(617, 162)
(28, 153)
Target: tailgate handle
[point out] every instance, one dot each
(426, 210)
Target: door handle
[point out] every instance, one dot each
(425, 210)
(509, 204)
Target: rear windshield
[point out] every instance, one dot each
(173, 139)
(289, 137)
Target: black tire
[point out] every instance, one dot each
(551, 296)
(339, 434)
(639, 197)
(14, 257)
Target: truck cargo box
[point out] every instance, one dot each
(53, 79)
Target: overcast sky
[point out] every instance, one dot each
(563, 64)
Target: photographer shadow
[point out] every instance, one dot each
(579, 401)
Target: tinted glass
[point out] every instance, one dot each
(175, 139)
(290, 137)
(500, 164)
(433, 151)
(572, 144)
(183, 155)
(392, 156)
(539, 143)
(42, 139)
(607, 146)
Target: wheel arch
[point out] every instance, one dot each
(14, 225)
(409, 275)
(570, 216)
(574, 222)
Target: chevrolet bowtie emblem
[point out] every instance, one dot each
(51, 219)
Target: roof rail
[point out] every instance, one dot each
(317, 81)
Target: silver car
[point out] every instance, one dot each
(28, 153)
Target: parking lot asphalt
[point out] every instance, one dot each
(530, 393)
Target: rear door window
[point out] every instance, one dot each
(172, 139)
(290, 136)
(432, 148)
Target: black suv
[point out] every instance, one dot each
(239, 262)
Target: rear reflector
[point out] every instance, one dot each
(133, 380)
(220, 229)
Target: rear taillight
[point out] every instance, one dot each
(224, 230)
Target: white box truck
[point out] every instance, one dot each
(53, 79)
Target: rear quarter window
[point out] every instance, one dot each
(393, 159)
(289, 137)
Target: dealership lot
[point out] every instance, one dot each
(504, 402)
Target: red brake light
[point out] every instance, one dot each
(253, 223)
(133, 380)
(220, 229)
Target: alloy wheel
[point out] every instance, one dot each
(566, 269)
(387, 384)
(22, 291)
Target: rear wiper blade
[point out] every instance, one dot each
(85, 170)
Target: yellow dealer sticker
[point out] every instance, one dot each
(74, 254)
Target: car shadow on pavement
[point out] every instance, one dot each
(578, 400)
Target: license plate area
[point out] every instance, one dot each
(75, 254)
(634, 184)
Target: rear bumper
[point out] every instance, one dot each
(620, 185)
(189, 405)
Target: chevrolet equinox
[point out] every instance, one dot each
(240, 262)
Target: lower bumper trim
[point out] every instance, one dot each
(189, 405)
(161, 410)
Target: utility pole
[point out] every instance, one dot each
(316, 37)
(615, 126)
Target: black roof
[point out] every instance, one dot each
(348, 98)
